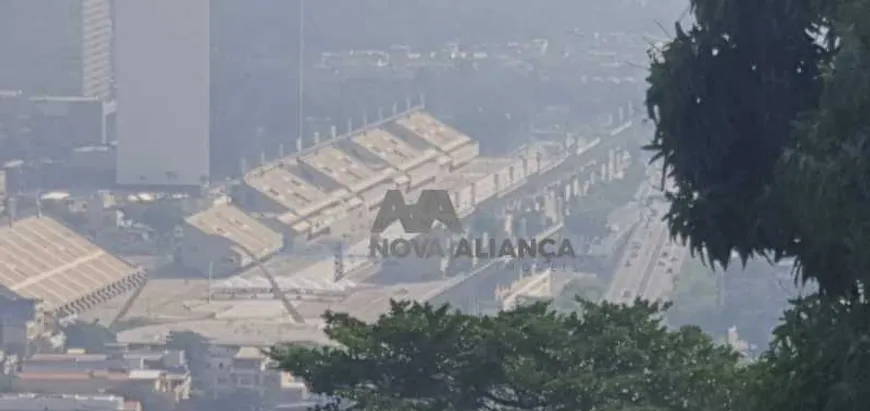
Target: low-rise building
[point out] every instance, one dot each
(163, 373)
(248, 368)
(65, 402)
(21, 321)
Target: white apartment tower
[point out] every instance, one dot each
(56, 47)
(162, 55)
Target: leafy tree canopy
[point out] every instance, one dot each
(91, 337)
(818, 359)
(763, 127)
(607, 357)
(194, 345)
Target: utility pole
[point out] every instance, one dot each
(210, 276)
(339, 263)
(300, 58)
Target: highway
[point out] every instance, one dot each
(660, 280)
(649, 264)
(638, 264)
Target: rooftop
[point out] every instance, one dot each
(32, 401)
(289, 190)
(340, 167)
(242, 230)
(392, 150)
(434, 132)
(262, 323)
(41, 258)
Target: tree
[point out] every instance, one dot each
(162, 216)
(818, 359)
(725, 96)
(8, 383)
(584, 288)
(195, 347)
(92, 337)
(761, 113)
(608, 357)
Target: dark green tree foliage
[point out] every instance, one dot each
(724, 95)
(91, 337)
(8, 383)
(195, 347)
(608, 357)
(826, 175)
(819, 358)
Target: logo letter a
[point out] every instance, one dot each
(393, 208)
(435, 205)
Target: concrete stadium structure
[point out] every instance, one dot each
(330, 193)
(44, 260)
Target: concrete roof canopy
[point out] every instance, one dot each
(434, 132)
(243, 230)
(43, 259)
(287, 189)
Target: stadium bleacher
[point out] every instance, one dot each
(42, 259)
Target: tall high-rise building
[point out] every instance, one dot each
(57, 47)
(163, 70)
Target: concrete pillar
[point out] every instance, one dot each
(380, 114)
(408, 103)
(366, 117)
(523, 227)
(611, 165)
(473, 194)
(281, 150)
(550, 207)
(333, 131)
(349, 125)
(262, 158)
(496, 179)
(621, 115)
(316, 137)
(423, 100)
(395, 108)
(445, 263)
(298, 145)
(509, 224)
